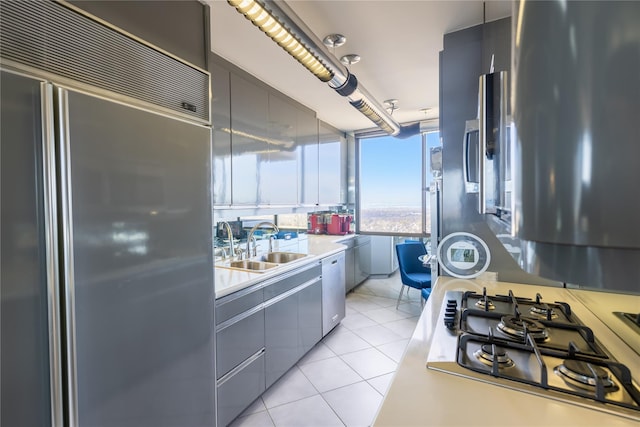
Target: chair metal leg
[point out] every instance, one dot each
(400, 295)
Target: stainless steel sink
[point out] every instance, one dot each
(282, 257)
(249, 265)
(264, 263)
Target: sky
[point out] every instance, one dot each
(390, 170)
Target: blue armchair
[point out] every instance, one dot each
(412, 272)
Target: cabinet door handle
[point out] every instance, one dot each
(335, 261)
(290, 292)
(240, 367)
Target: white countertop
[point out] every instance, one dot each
(228, 281)
(419, 396)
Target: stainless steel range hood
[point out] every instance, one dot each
(576, 107)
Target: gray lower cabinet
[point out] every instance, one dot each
(357, 261)
(240, 387)
(240, 346)
(362, 256)
(261, 332)
(243, 337)
(309, 316)
(281, 321)
(293, 321)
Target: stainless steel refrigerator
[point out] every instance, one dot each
(107, 288)
(106, 291)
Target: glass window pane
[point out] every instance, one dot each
(391, 185)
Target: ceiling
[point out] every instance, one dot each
(398, 41)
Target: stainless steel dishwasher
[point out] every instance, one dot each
(333, 291)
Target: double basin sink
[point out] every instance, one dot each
(264, 262)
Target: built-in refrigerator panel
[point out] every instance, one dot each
(31, 387)
(138, 276)
(576, 102)
(461, 66)
(107, 269)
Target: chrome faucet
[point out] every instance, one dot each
(255, 246)
(255, 227)
(271, 239)
(230, 234)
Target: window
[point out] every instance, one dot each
(393, 180)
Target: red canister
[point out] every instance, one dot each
(315, 224)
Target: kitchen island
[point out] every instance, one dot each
(419, 396)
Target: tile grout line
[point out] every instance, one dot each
(359, 295)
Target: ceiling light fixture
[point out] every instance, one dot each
(391, 105)
(271, 26)
(280, 22)
(334, 40)
(350, 59)
(368, 111)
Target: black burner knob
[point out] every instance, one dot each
(450, 323)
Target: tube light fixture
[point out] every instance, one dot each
(271, 26)
(368, 111)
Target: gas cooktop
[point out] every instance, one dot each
(531, 345)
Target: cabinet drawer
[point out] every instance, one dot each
(238, 302)
(281, 337)
(239, 389)
(238, 339)
(290, 280)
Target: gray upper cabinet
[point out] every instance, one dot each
(221, 117)
(332, 165)
(279, 175)
(307, 158)
(496, 44)
(267, 148)
(249, 124)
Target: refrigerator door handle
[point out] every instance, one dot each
(68, 288)
(50, 214)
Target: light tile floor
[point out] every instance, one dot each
(343, 379)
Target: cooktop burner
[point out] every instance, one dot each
(532, 345)
(518, 326)
(485, 303)
(543, 311)
(595, 379)
(490, 353)
(586, 375)
(559, 333)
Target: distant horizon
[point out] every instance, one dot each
(391, 171)
(387, 207)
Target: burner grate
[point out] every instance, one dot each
(540, 368)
